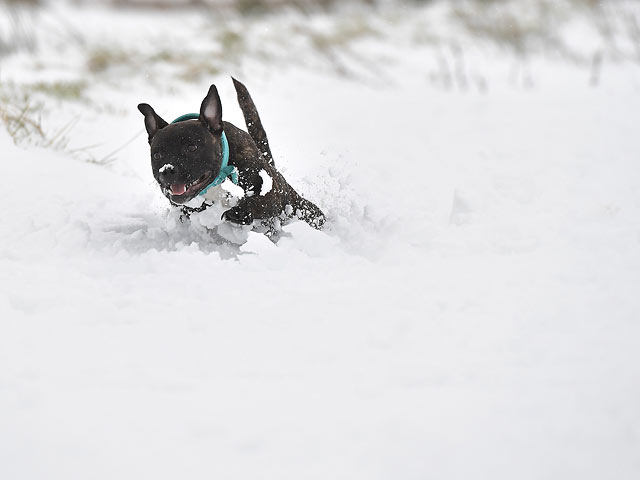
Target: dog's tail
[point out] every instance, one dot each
(252, 119)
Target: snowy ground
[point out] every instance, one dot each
(471, 311)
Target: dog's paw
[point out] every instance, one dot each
(239, 216)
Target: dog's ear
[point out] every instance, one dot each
(152, 121)
(211, 111)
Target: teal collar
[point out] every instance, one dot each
(226, 170)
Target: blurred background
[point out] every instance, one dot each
(60, 51)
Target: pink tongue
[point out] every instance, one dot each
(178, 188)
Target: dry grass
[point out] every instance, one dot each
(22, 118)
(537, 26)
(504, 23)
(62, 90)
(102, 59)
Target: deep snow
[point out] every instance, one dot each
(471, 311)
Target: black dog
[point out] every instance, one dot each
(196, 152)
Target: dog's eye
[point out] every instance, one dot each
(192, 148)
(156, 156)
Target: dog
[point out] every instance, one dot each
(199, 151)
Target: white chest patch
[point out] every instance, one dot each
(232, 188)
(219, 199)
(225, 196)
(267, 182)
(216, 195)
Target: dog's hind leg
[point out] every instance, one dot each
(252, 119)
(308, 212)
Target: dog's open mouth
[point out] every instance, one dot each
(182, 192)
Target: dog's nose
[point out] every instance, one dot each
(167, 173)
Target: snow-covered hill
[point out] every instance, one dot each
(471, 311)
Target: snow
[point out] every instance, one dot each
(470, 311)
(267, 182)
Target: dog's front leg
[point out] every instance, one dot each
(239, 214)
(258, 207)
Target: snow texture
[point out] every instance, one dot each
(267, 182)
(470, 311)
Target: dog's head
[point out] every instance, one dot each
(186, 156)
